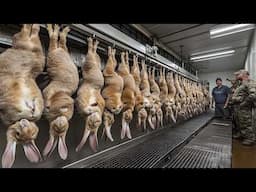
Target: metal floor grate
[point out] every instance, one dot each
(211, 148)
(147, 153)
(141, 156)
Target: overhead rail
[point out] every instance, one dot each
(112, 37)
(115, 37)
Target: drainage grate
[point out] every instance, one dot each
(211, 148)
(143, 155)
(197, 158)
(147, 153)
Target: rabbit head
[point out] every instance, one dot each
(58, 131)
(147, 101)
(24, 132)
(92, 124)
(59, 113)
(108, 121)
(126, 119)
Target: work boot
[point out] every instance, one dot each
(247, 142)
(236, 136)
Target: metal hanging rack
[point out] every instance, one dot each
(113, 39)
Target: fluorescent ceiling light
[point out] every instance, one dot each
(212, 55)
(230, 29)
(210, 58)
(211, 51)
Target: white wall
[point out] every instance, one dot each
(250, 64)
(211, 78)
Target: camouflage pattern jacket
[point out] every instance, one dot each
(235, 85)
(245, 94)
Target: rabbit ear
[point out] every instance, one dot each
(9, 154)
(93, 141)
(84, 139)
(48, 146)
(107, 128)
(108, 132)
(125, 130)
(62, 147)
(150, 122)
(128, 131)
(154, 121)
(173, 118)
(32, 152)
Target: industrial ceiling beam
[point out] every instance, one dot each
(173, 33)
(159, 43)
(154, 26)
(187, 37)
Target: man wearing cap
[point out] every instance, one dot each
(245, 97)
(220, 95)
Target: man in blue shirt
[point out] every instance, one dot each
(220, 95)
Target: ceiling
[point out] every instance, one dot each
(196, 38)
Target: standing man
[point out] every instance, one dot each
(220, 95)
(245, 97)
(234, 109)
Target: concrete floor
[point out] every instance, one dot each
(243, 156)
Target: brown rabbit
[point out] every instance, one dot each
(128, 94)
(163, 87)
(142, 118)
(89, 99)
(92, 123)
(145, 87)
(139, 101)
(178, 95)
(135, 71)
(164, 92)
(170, 109)
(181, 91)
(148, 98)
(108, 120)
(21, 101)
(111, 92)
(24, 132)
(64, 82)
(154, 88)
(155, 91)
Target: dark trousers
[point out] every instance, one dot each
(235, 122)
(220, 112)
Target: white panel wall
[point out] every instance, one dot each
(250, 63)
(211, 78)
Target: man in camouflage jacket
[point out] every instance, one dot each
(245, 98)
(234, 109)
